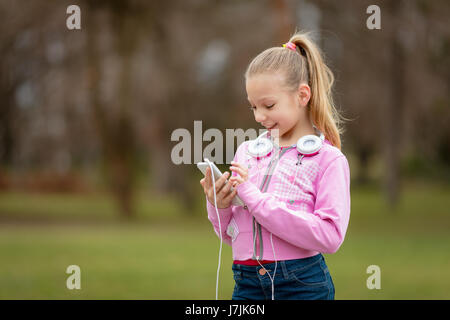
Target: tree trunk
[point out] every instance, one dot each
(116, 131)
(364, 153)
(394, 113)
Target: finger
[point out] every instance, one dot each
(236, 180)
(241, 171)
(208, 177)
(222, 181)
(234, 164)
(231, 195)
(226, 188)
(210, 195)
(202, 182)
(237, 164)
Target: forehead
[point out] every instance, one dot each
(263, 86)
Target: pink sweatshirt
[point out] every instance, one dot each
(305, 206)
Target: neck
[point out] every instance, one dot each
(302, 128)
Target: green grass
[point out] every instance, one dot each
(132, 262)
(96, 207)
(165, 255)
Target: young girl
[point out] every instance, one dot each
(297, 200)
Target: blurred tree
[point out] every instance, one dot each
(153, 67)
(115, 125)
(394, 113)
(12, 27)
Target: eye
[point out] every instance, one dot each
(268, 107)
(252, 108)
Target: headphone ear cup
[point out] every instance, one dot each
(260, 147)
(309, 145)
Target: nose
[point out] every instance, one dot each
(260, 116)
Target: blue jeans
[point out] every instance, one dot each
(300, 279)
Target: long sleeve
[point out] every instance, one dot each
(322, 230)
(226, 213)
(225, 217)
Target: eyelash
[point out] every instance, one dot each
(268, 107)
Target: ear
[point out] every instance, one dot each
(304, 94)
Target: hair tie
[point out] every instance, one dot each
(290, 45)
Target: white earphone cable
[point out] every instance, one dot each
(220, 229)
(299, 162)
(275, 271)
(272, 279)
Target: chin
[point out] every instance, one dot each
(275, 132)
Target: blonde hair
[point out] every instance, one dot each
(306, 65)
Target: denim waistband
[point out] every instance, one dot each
(284, 266)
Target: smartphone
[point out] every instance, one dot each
(217, 174)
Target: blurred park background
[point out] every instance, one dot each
(86, 118)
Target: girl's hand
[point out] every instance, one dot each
(223, 194)
(241, 171)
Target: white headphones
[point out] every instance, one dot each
(308, 145)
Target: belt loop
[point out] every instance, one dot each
(284, 269)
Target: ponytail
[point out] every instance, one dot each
(320, 78)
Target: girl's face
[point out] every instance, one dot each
(274, 107)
